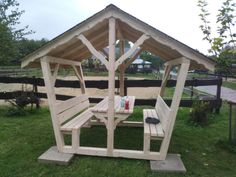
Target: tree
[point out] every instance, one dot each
(26, 46)
(156, 61)
(222, 47)
(7, 46)
(9, 33)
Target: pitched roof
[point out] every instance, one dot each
(95, 29)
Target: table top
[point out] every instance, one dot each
(102, 107)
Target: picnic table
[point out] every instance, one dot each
(101, 109)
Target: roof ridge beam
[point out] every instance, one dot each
(92, 49)
(132, 50)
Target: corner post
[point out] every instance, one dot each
(49, 85)
(111, 85)
(122, 68)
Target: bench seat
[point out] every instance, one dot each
(153, 130)
(78, 121)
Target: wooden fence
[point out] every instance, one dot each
(215, 101)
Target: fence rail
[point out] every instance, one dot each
(103, 84)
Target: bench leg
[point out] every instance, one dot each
(75, 139)
(146, 143)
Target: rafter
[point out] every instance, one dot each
(131, 51)
(93, 50)
(133, 58)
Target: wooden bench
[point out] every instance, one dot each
(155, 131)
(67, 113)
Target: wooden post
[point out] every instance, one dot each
(111, 89)
(49, 80)
(218, 92)
(79, 73)
(165, 79)
(182, 75)
(122, 68)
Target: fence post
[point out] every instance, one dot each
(232, 122)
(192, 88)
(218, 91)
(35, 90)
(125, 87)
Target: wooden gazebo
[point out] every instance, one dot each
(90, 37)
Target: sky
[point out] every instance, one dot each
(177, 18)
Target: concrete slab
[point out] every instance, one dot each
(173, 163)
(53, 156)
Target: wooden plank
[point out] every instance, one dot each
(131, 51)
(177, 61)
(64, 105)
(78, 121)
(174, 106)
(69, 113)
(133, 154)
(93, 50)
(75, 139)
(122, 68)
(163, 112)
(52, 100)
(103, 84)
(79, 73)
(111, 88)
(153, 130)
(54, 76)
(62, 61)
(165, 79)
(159, 128)
(146, 135)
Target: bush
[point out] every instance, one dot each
(199, 114)
(20, 103)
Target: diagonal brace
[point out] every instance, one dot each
(91, 48)
(132, 50)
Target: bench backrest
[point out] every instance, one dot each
(163, 112)
(65, 110)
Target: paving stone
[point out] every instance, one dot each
(173, 163)
(53, 156)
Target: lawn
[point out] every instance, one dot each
(229, 84)
(24, 139)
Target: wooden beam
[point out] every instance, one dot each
(133, 58)
(93, 50)
(165, 79)
(105, 53)
(119, 32)
(111, 86)
(55, 72)
(79, 73)
(122, 69)
(52, 100)
(183, 71)
(61, 61)
(77, 47)
(177, 61)
(131, 51)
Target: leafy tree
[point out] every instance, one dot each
(9, 33)
(223, 46)
(26, 46)
(156, 61)
(225, 18)
(7, 46)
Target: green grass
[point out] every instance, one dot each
(229, 84)
(24, 139)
